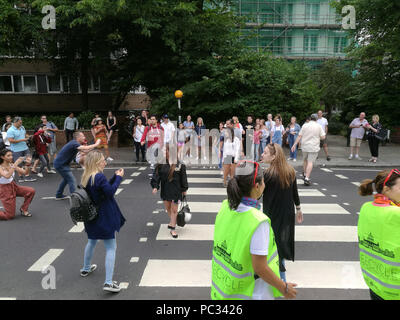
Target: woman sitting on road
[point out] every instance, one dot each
(9, 190)
(110, 218)
(172, 177)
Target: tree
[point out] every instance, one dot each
(244, 83)
(376, 49)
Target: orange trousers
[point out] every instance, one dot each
(8, 196)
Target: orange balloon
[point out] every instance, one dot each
(178, 94)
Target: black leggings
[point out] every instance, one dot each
(373, 143)
(139, 147)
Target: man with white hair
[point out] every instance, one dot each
(323, 122)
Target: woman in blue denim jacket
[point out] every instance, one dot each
(292, 130)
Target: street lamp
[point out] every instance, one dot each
(179, 95)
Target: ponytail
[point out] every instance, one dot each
(366, 188)
(234, 193)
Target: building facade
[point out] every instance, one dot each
(30, 86)
(294, 29)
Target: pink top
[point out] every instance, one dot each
(257, 135)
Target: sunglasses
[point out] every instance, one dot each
(390, 174)
(255, 172)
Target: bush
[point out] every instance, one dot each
(336, 127)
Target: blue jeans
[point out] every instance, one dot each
(68, 178)
(111, 248)
(263, 144)
(292, 139)
(283, 274)
(256, 152)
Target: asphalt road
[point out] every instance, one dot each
(151, 265)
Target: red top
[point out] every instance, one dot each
(40, 140)
(155, 134)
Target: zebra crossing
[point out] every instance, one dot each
(205, 197)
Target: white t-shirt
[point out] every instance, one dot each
(311, 134)
(323, 123)
(259, 246)
(169, 130)
(5, 139)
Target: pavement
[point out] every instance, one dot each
(151, 265)
(338, 151)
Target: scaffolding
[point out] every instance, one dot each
(293, 29)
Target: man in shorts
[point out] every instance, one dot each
(310, 135)
(358, 126)
(323, 122)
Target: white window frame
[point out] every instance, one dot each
(138, 90)
(48, 85)
(23, 84)
(90, 85)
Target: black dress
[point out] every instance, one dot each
(170, 190)
(278, 205)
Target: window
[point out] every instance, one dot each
(138, 90)
(93, 84)
(53, 84)
(312, 12)
(18, 84)
(29, 83)
(340, 44)
(6, 84)
(310, 43)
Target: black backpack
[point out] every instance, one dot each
(82, 207)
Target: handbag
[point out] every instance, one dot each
(381, 134)
(184, 214)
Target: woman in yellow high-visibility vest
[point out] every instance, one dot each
(245, 260)
(379, 235)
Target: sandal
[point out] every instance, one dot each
(173, 235)
(171, 227)
(25, 214)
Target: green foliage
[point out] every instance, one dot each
(377, 54)
(85, 118)
(244, 83)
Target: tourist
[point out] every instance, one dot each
(70, 125)
(358, 126)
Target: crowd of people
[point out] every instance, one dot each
(259, 241)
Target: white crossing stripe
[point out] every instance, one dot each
(222, 192)
(340, 176)
(142, 168)
(135, 174)
(203, 172)
(127, 181)
(163, 273)
(205, 232)
(134, 259)
(307, 274)
(143, 240)
(8, 298)
(326, 233)
(118, 191)
(150, 224)
(78, 228)
(46, 260)
(326, 170)
(219, 180)
(306, 208)
(356, 183)
(325, 274)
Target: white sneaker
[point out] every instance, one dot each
(110, 159)
(205, 158)
(289, 159)
(350, 157)
(294, 160)
(51, 171)
(40, 175)
(357, 157)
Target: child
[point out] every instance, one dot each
(181, 135)
(256, 140)
(40, 139)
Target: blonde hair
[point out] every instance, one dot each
(279, 167)
(376, 117)
(92, 161)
